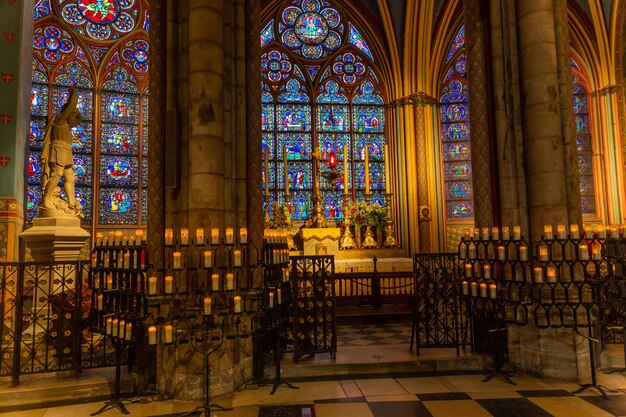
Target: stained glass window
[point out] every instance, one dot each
(455, 134)
(99, 46)
(583, 143)
(319, 92)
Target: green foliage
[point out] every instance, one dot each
(364, 214)
(280, 216)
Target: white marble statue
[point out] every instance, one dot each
(57, 161)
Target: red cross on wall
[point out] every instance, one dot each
(7, 77)
(4, 161)
(5, 119)
(10, 37)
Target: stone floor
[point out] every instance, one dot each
(458, 395)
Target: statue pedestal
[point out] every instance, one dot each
(54, 239)
(329, 236)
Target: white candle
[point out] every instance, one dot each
(561, 232)
(139, 236)
(152, 286)
(129, 330)
(472, 251)
(100, 302)
(588, 231)
(184, 236)
(493, 291)
(485, 233)
(574, 231)
(271, 299)
(230, 281)
(169, 284)
(476, 233)
(208, 259)
(495, 233)
(169, 333)
(152, 335)
(474, 289)
(243, 235)
(483, 290)
(109, 285)
(468, 270)
(601, 231)
(614, 232)
(99, 238)
(230, 236)
(501, 253)
(279, 296)
(132, 241)
(121, 329)
(111, 240)
(551, 274)
(285, 274)
(583, 252)
(462, 251)
(177, 260)
(487, 270)
(465, 287)
(215, 236)
(466, 233)
(199, 235)
(596, 252)
(169, 236)
(538, 274)
(119, 235)
(237, 258)
(367, 170)
(523, 253)
(215, 282)
(517, 233)
(543, 253)
(109, 326)
(126, 260)
(114, 327)
(547, 232)
(207, 306)
(237, 304)
(106, 260)
(505, 233)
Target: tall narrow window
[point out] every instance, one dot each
(321, 95)
(102, 48)
(455, 135)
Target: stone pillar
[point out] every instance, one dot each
(479, 106)
(206, 114)
(422, 176)
(16, 20)
(254, 197)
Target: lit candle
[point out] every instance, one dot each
(614, 232)
(121, 329)
(169, 284)
(230, 235)
(139, 236)
(474, 289)
(601, 230)
(126, 260)
(109, 282)
(208, 259)
(551, 274)
(111, 240)
(237, 304)
(517, 233)
(169, 236)
(152, 286)
(230, 282)
(243, 235)
(472, 251)
(476, 233)
(465, 287)
(501, 253)
(215, 236)
(131, 240)
(495, 233)
(119, 235)
(505, 233)
(215, 282)
(279, 296)
(487, 270)
(463, 251)
(588, 231)
(538, 274)
(483, 290)
(468, 270)
(184, 236)
(177, 260)
(596, 252)
(286, 174)
(574, 231)
(285, 274)
(152, 335)
(543, 253)
(100, 302)
(367, 170)
(99, 239)
(561, 232)
(523, 253)
(547, 232)
(129, 330)
(199, 235)
(485, 233)
(271, 299)
(169, 333)
(387, 163)
(114, 327)
(493, 291)
(237, 257)
(109, 326)
(466, 233)
(207, 306)
(583, 252)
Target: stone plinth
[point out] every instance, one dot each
(55, 239)
(328, 236)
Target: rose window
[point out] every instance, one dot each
(275, 66)
(349, 67)
(137, 53)
(54, 42)
(313, 29)
(100, 19)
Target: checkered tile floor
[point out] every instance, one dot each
(374, 334)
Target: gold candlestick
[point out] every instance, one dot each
(390, 233)
(347, 240)
(317, 219)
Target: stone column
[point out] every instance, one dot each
(479, 106)
(422, 175)
(16, 20)
(254, 196)
(206, 115)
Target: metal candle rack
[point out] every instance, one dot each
(118, 304)
(560, 286)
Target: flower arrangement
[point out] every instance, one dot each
(280, 216)
(364, 214)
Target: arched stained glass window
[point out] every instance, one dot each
(455, 134)
(583, 142)
(102, 48)
(320, 92)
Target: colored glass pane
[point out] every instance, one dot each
(298, 145)
(459, 210)
(310, 30)
(83, 137)
(332, 206)
(456, 131)
(118, 171)
(267, 117)
(118, 206)
(42, 9)
(333, 118)
(457, 44)
(34, 167)
(458, 190)
(368, 119)
(36, 133)
(85, 101)
(120, 108)
(294, 118)
(119, 139)
(368, 94)
(301, 206)
(332, 93)
(300, 176)
(583, 145)
(83, 169)
(357, 40)
(144, 206)
(457, 170)
(144, 172)
(39, 100)
(33, 198)
(267, 33)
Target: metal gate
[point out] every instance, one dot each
(440, 319)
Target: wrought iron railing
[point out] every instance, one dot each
(45, 314)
